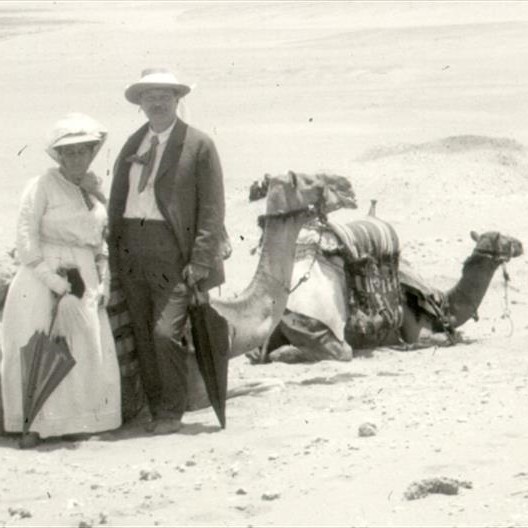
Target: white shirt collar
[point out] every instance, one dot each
(162, 136)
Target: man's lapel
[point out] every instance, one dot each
(134, 141)
(173, 149)
(120, 183)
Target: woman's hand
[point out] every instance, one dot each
(52, 280)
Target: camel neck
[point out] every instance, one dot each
(466, 296)
(258, 309)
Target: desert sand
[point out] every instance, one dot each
(422, 105)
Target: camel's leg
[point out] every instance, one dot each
(274, 341)
(309, 341)
(418, 331)
(290, 354)
(414, 328)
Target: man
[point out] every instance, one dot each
(166, 218)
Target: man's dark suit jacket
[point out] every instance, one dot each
(189, 193)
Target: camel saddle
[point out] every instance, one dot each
(371, 253)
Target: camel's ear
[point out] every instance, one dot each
(474, 235)
(293, 178)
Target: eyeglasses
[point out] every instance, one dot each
(161, 98)
(71, 151)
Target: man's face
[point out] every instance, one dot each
(159, 103)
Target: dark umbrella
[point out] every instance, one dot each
(45, 362)
(211, 342)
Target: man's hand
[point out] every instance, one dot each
(194, 273)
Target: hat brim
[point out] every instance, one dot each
(73, 139)
(134, 91)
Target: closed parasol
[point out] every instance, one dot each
(210, 333)
(46, 360)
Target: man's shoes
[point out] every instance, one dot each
(76, 437)
(29, 440)
(163, 426)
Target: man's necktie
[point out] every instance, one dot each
(147, 161)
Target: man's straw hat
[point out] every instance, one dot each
(155, 78)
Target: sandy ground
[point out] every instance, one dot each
(372, 91)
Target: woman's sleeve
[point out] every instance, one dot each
(32, 208)
(101, 251)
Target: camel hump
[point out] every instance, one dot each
(366, 237)
(412, 281)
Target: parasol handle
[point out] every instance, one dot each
(199, 296)
(54, 312)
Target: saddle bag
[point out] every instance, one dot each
(371, 254)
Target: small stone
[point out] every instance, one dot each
(21, 513)
(270, 496)
(273, 457)
(241, 491)
(442, 485)
(149, 475)
(190, 463)
(233, 470)
(465, 368)
(367, 429)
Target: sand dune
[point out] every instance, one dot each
(422, 106)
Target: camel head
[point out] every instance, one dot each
(292, 193)
(496, 246)
(338, 193)
(317, 194)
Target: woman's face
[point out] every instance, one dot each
(75, 159)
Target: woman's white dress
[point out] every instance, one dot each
(56, 225)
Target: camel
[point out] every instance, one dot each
(492, 250)
(428, 316)
(253, 314)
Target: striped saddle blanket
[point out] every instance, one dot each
(132, 395)
(371, 252)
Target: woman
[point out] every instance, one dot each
(61, 224)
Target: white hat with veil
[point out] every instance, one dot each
(75, 128)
